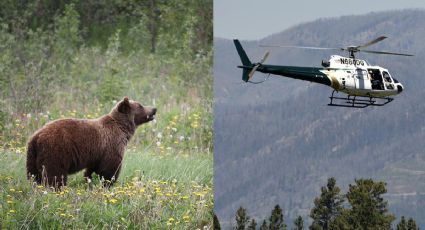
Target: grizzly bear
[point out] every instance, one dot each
(67, 146)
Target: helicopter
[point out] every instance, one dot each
(365, 84)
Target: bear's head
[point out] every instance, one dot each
(133, 111)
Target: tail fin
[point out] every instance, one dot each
(31, 161)
(244, 58)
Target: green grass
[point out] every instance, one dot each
(153, 192)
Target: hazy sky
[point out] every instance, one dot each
(255, 19)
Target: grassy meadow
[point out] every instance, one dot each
(62, 70)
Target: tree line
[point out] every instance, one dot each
(362, 207)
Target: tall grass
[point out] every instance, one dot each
(153, 192)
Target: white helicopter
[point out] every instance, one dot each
(365, 84)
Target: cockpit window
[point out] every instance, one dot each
(387, 77)
(395, 80)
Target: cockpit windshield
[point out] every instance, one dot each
(387, 77)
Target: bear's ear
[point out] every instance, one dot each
(124, 106)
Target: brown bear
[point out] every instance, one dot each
(67, 146)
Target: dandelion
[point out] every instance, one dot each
(186, 219)
(62, 214)
(10, 202)
(12, 190)
(113, 201)
(12, 211)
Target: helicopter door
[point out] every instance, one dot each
(376, 79)
(388, 81)
(361, 79)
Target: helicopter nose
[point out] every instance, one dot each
(399, 88)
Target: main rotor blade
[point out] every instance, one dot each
(304, 47)
(376, 40)
(383, 52)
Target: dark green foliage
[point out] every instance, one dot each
(368, 209)
(411, 225)
(402, 225)
(216, 223)
(298, 223)
(147, 24)
(242, 219)
(276, 219)
(252, 225)
(264, 225)
(327, 207)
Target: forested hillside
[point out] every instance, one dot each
(277, 142)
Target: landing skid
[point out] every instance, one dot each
(358, 101)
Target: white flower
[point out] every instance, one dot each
(171, 136)
(29, 115)
(44, 192)
(174, 129)
(159, 136)
(168, 148)
(181, 138)
(158, 143)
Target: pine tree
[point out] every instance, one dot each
(276, 219)
(327, 207)
(216, 223)
(298, 223)
(264, 225)
(252, 225)
(402, 225)
(368, 209)
(411, 224)
(241, 219)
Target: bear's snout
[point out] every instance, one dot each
(150, 114)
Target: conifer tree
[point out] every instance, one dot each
(264, 225)
(327, 207)
(368, 209)
(276, 219)
(411, 224)
(298, 223)
(241, 219)
(216, 223)
(402, 225)
(252, 225)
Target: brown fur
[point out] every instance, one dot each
(67, 146)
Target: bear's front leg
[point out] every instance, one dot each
(88, 173)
